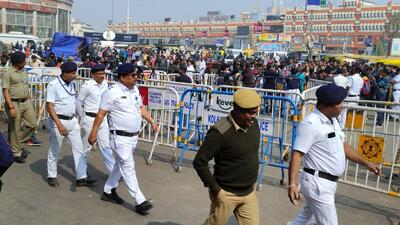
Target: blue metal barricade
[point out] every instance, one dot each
(200, 109)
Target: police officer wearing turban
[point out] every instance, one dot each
(233, 143)
(61, 106)
(18, 105)
(321, 142)
(122, 104)
(89, 99)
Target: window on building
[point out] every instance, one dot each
(63, 20)
(20, 21)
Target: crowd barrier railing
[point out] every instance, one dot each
(197, 116)
(162, 103)
(378, 143)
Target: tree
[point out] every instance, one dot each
(392, 29)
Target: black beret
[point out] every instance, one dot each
(331, 94)
(17, 57)
(98, 67)
(125, 69)
(68, 67)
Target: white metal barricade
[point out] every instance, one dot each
(379, 144)
(162, 103)
(211, 79)
(160, 75)
(315, 82)
(172, 76)
(84, 72)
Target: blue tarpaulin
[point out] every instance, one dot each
(316, 2)
(65, 45)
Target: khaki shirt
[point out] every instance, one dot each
(16, 81)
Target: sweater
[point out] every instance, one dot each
(235, 153)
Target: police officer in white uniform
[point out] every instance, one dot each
(322, 143)
(122, 104)
(89, 99)
(61, 106)
(396, 92)
(354, 85)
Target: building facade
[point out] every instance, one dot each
(78, 28)
(355, 27)
(238, 34)
(36, 17)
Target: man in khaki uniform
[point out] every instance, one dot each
(18, 105)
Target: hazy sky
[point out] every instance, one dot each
(98, 12)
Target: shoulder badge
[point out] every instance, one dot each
(223, 125)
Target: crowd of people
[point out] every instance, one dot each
(111, 118)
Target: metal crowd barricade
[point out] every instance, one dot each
(211, 79)
(162, 104)
(379, 144)
(84, 72)
(293, 95)
(315, 82)
(160, 75)
(172, 77)
(275, 128)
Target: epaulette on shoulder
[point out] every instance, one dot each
(223, 125)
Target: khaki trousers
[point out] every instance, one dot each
(245, 209)
(19, 133)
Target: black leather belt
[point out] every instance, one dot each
(124, 133)
(90, 114)
(64, 117)
(353, 95)
(322, 174)
(19, 100)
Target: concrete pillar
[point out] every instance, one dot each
(69, 23)
(57, 27)
(3, 20)
(34, 23)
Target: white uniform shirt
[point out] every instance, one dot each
(355, 83)
(341, 81)
(396, 86)
(123, 106)
(63, 96)
(321, 153)
(90, 95)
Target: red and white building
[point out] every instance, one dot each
(348, 28)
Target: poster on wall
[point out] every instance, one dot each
(395, 51)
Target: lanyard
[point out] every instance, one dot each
(68, 92)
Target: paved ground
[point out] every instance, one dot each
(180, 198)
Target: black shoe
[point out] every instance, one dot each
(19, 159)
(112, 197)
(24, 155)
(53, 182)
(143, 208)
(85, 182)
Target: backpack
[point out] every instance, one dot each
(366, 88)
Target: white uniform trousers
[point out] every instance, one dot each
(343, 115)
(124, 148)
(396, 99)
(103, 141)
(74, 141)
(319, 208)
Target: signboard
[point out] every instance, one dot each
(243, 30)
(267, 37)
(395, 47)
(35, 74)
(97, 37)
(371, 148)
